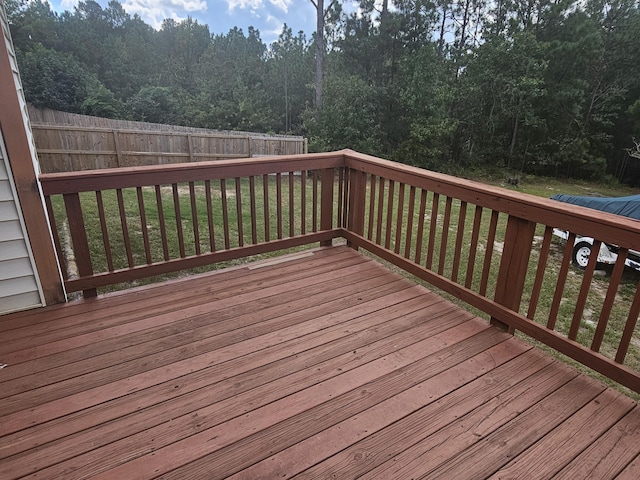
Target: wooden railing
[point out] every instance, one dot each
(489, 247)
(492, 248)
(131, 223)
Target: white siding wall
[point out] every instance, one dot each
(19, 284)
(19, 287)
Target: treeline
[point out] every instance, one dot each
(549, 87)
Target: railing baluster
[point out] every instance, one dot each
(239, 212)
(163, 225)
(444, 238)
(390, 197)
(629, 327)
(372, 196)
(254, 217)
(542, 264)
(347, 194)
(303, 202)
(488, 254)
(291, 205)
(314, 214)
(143, 226)
(265, 194)
(399, 217)
(562, 278)
(433, 224)
(473, 248)
(587, 277)
(462, 216)
(279, 203)
(409, 234)
(125, 228)
(210, 221)
(176, 208)
(421, 214)
(614, 283)
(105, 231)
(194, 217)
(340, 198)
(380, 208)
(225, 213)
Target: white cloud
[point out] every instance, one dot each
(281, 4)
(252, 5)
(275, 26)
(155, 11)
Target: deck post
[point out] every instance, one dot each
(79, 239)
(513, 266)
(355, 215)
(326, 202)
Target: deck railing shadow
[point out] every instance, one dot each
(489, 247)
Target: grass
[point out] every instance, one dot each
(240, 228)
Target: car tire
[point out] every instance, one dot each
(581, 252)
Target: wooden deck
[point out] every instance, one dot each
(317, 365)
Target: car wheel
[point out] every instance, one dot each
(581, 252)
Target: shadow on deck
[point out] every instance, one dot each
(311, 365)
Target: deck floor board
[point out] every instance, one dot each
(323, 364)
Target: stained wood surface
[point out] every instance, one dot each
(321, 364)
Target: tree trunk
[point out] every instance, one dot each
(319, 53)
(514, 135)
(442, 30)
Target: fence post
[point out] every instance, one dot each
(326, 202)
(190, 147)
(116, 142)
(356, 201)
(513, 266)
(79, 239)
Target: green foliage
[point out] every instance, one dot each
(153, 104)
(348, 118)
(100, 102)
(52, 79)
(543, 87)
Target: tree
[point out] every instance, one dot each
(53, 80)
(289, 74)
(321, 15)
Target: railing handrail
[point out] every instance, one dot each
(574, 218)
(128, 177)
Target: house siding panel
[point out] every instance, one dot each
(19, 287)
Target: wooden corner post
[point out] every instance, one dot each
(326, 202)
(355, 215)
(513, 266)
(79, 239)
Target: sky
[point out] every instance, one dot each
(268, 16)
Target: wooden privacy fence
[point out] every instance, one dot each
(70, 142)
(486, 246)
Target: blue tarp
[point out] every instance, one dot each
(625, 206)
